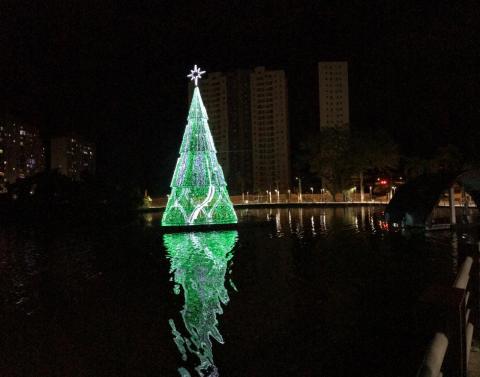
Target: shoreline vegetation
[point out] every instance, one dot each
(52, 197)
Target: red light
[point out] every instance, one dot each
(383, 182)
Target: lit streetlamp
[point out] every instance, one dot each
(278, 195)
(311, 189)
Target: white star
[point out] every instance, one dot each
(195, 74)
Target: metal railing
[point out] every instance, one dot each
(458, 308)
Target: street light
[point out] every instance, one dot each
(278, 195)
(311, 189)
(371, 195)
(299, 188)
(288, 195)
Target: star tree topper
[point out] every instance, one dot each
(195, 74)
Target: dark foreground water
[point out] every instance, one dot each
(324, 293)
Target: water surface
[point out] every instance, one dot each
(325, 292)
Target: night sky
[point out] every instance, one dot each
(117, 74)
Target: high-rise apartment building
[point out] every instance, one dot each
(227, 99)
(214, 95)
(21, 151)
(72, 156)
(240, 131)
(333, 95)
(270, 139)
(248, 118)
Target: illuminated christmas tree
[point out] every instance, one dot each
(199, 192)
(199, 262)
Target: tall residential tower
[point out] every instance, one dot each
(214, 94)
(333, 95)
(270, 140)
(240, 178)
(72, 156)
(21, 151)
(248, 118)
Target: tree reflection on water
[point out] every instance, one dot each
(199, 262)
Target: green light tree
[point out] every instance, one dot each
(199, 192)
(199, 262)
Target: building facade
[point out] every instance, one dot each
(72, 156)
(227, 99)
(333, 95)
(240, 131)
(214, 95)
(21, 151)
(270, 138)
(248, 118)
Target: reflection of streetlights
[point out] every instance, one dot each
(299, 189)
(269, 196)
(278, 195)
(311, 189)
(393, 192)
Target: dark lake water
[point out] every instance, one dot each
(325, 292)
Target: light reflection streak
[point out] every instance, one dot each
(278, 223)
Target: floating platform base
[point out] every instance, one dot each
(216, 227)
